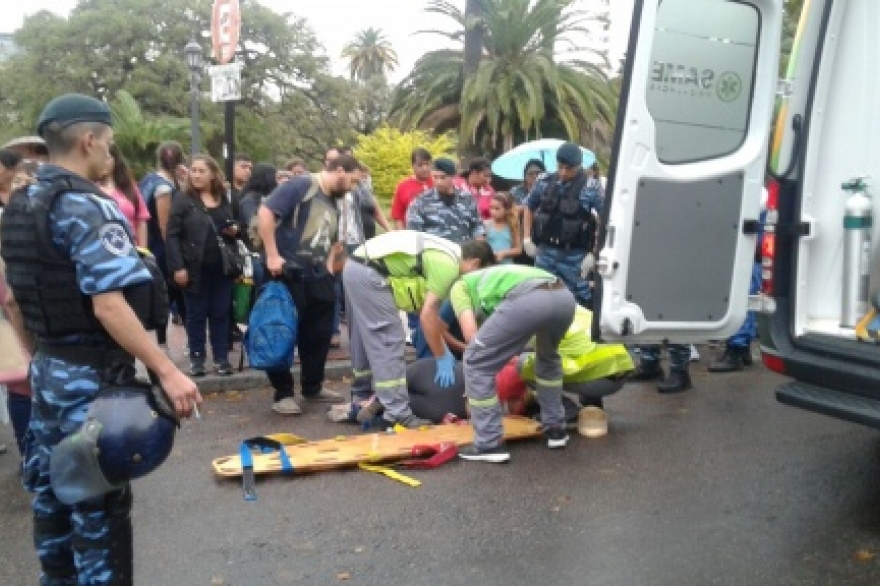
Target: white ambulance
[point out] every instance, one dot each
(695, 134)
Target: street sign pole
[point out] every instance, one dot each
(229, 138)
(225, 32)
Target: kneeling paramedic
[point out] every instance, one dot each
(513, 303)
(400, 271)
(85, 298)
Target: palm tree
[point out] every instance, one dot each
(369, 55)
(522, 82)
(138, 135)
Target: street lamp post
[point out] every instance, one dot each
(194, 61)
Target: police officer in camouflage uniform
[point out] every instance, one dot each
(447, 212)
(74, 276)
(560, 222)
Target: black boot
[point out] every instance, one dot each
(730, 361)
(646, 371)
(676, 382)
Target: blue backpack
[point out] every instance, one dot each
(272, 327)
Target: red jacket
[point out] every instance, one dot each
(407, 190)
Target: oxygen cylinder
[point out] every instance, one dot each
(857, 226)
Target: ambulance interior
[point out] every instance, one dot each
(842, 143)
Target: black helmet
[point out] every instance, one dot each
(128, 433)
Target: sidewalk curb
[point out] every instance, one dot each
(249, 380)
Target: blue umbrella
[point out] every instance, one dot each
(511, 164)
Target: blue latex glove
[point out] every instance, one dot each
(445, 376)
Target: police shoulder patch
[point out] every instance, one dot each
(114, 239)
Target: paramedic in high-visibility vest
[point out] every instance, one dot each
(398, 271)
(512, 303)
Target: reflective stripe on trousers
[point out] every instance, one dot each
(545, 314)
(377, 339)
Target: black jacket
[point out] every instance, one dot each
(189, 228)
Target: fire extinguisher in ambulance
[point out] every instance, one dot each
(857, 226)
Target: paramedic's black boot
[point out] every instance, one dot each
(676, 382)
(731, 361)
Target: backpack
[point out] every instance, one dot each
(253, 231)
(272, 329)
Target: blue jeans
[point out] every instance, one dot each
(566, 264)
(447, 316)
(209, 309)
(749, 330)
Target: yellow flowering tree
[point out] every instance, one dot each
(387, 152)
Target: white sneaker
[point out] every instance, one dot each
(592, 422)
(341, 413)
(695, 354)
(286, 406)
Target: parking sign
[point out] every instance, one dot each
(225, 82)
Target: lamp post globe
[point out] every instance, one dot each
(193, 56)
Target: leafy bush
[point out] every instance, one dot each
(387, 152)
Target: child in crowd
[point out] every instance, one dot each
(502, 228)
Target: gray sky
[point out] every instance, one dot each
(337, 25)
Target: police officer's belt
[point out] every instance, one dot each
(94, 356)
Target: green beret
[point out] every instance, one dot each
(71, 109)
(445, 166)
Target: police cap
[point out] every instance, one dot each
(570, 155)
(72, 109)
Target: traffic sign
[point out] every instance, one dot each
(225, 82)
(225, 29)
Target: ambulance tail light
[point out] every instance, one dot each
(768, 242)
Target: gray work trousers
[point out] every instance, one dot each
(526, 311)
(377, 340)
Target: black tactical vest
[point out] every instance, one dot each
(44, 281)
(560, 220)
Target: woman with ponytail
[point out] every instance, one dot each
(159, 189)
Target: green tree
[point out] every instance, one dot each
(138, 135)
(289, 98)
(387, 153)
(370, 55)
(519, 86)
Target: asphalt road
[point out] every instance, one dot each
(720, 485)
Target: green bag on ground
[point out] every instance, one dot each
(242, 300)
